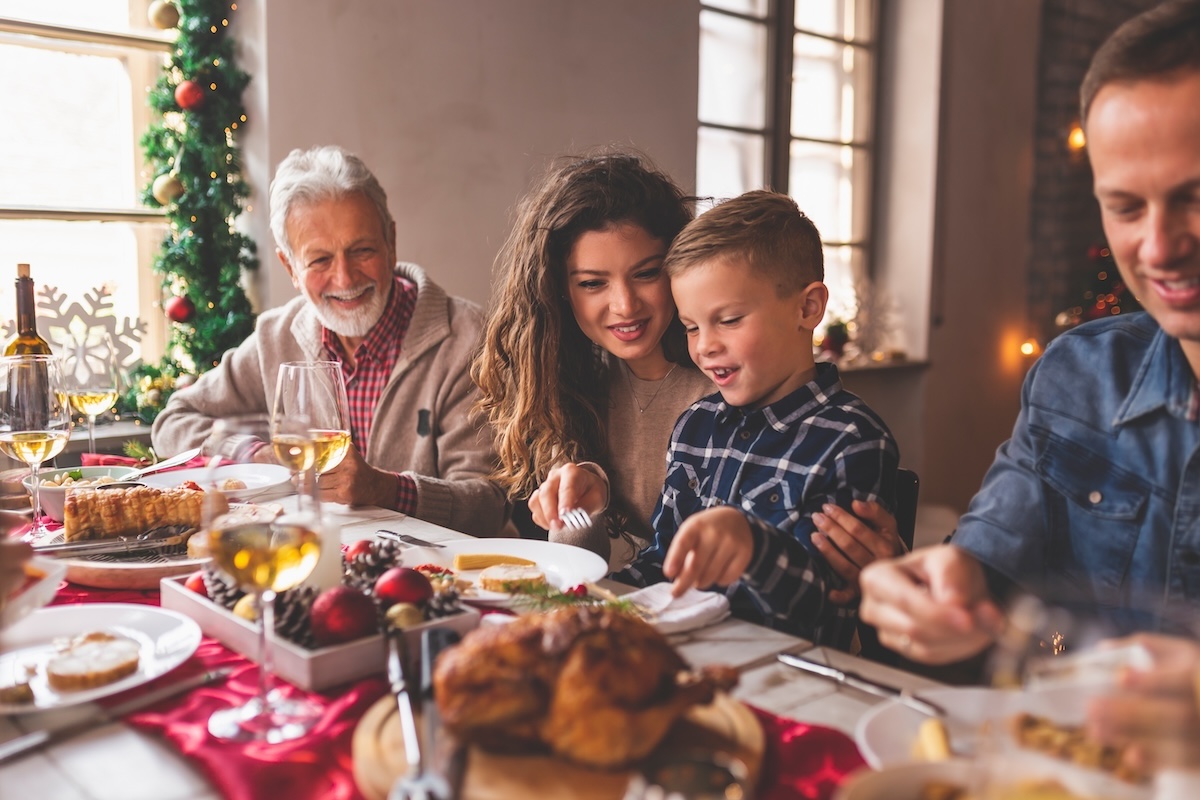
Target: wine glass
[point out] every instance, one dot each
(316, 390)
(263, 557)
(35, 418)
(92, 379)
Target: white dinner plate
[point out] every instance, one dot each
(565, 565)
(260, 479)
(167, 639)
(885, 734)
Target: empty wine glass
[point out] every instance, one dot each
(92, 378)
(316, 390)
(35, 419)
(263, 557)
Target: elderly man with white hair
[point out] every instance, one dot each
(403, 344)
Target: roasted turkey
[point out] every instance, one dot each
(594, 685)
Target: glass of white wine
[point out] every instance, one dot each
(316, 390)
(263, 556)
(92, 378)
(35, 418)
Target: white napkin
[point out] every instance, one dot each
(694, 609)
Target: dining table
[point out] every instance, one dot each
(142, 756)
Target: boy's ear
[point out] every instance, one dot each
(811, 305)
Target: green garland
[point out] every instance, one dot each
(198, 181)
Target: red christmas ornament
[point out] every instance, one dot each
(196, 583)
(402, 585)
(342, 614)
(360, 548)
(179, 309)
(189, 95)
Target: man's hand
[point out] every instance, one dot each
(568, 486)
(1156, 710)
(711, 547)
(850, 543)
(356, 483)
(13, 555)
(932, 605)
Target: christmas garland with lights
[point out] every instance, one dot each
(197, 180)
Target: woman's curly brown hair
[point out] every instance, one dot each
(541, 379)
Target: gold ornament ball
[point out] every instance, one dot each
(245, 609)
(167, 188)
(163, 14)
(404, 615)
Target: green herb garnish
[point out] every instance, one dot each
(75, 474)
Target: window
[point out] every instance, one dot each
(70, 186)
(786, 101)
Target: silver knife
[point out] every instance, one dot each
(31, 741)
(446, 756)
(861, 683)
(406, 538)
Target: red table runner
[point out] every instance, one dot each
(801, 761)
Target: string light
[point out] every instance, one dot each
(1030, 348)
(1076, 139)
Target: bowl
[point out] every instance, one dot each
(54, 497)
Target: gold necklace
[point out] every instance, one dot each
(662, 382)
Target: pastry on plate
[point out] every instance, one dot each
(91, 660)
(108, 513)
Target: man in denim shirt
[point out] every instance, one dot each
(1097, 493)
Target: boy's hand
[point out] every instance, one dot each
(711, 547)
(566, 487)
(850, 543)
(932, 605)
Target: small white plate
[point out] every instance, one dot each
(565, 565)
(886, 733)
(35, 593)
(167, 639)
(260, 479)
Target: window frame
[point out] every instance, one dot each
(137, 50)
(776, 132)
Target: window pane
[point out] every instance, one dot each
(105, 15)
(73, 127)
(830, 97)
(843, 266)
(845, 19)
(733, 66)
(827, 181)
(75, 258)
(728, 163)
(755, 8)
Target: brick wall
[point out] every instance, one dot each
(1065, 220)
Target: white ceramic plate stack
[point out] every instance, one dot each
(262, 480)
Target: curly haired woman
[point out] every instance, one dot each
(584, 367)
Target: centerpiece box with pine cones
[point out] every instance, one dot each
(326, 638)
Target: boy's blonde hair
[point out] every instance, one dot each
(765, 230)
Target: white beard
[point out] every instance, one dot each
(354, 324)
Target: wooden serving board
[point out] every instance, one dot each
(725, 726)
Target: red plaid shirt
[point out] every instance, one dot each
(373, 362)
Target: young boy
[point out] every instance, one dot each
(749, 466)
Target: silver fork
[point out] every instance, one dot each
(417, 783)
(576, 519)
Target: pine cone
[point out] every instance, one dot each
(443, 604)
(361, 571)
(293, 620)
(221, 590)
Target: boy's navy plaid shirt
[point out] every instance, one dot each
(779, 465)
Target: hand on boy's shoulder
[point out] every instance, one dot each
(712, 547)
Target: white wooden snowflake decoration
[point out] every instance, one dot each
(78, 333)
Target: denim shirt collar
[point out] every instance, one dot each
(1164, 381)
(786, 410)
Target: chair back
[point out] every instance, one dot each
(908, 486)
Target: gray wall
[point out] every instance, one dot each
(458, 104)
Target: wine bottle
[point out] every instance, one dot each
(26, 341)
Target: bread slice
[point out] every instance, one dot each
(511, 578)
(91, 660)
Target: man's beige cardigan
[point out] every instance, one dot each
(423, 425)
